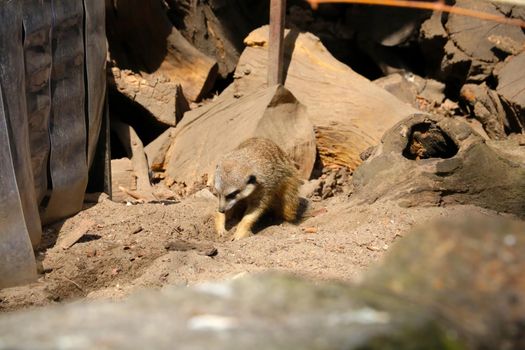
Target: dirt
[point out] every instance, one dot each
(130, 247)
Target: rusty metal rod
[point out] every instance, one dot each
(275, 42)
(428, 5)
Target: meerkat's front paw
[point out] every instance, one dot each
(240, 234)
(220, 224)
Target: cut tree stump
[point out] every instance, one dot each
(469, 38)
(349, 112)
(151, 60)
(461, 49)
(207, 133)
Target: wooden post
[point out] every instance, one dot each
(275, 49)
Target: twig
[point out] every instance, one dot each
(426, 5)
(75, 283)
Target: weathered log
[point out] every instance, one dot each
(206, 133)
(485, 105)
(152, 58)
(349, 112)
(217, 28)
(511, 89)
(431, 160)
(413, 89)
(464, 49)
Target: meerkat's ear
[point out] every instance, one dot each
(252, 180)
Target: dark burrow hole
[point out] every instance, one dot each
(427, 140)
(130, 112)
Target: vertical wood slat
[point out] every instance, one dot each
(12, 79)
(68, 157)
(37, 21)
(17, 262)
(19, 219)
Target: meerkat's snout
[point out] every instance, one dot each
(231, 197)
(226, 202)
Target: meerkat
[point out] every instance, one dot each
(262, 177)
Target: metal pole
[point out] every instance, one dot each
(275, 43)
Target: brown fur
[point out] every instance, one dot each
(276, 183)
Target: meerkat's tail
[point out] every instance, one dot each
(290, 198)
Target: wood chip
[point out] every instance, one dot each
(182, 246)
(373, 248)
(310, 229)
(318, 212)
(136, 230)
(74, 235)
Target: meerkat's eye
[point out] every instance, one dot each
(251, 180)
(232, 195)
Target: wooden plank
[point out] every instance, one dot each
(68, 135)
(17, 261)
(74, 235)
(12, 79)
(37, 19)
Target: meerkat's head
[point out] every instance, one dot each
(233, 182)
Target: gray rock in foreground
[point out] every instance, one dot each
(445, 286)
(262, 312)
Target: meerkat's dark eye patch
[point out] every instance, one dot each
(251, 180)
(232, 195)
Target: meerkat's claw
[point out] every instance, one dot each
(240, 234)
(220, 222)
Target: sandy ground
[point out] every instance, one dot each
(130, 247)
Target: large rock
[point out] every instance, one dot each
(349, 112)
(469, 272)
(206, 133)
(431, 160)
(445, 286)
